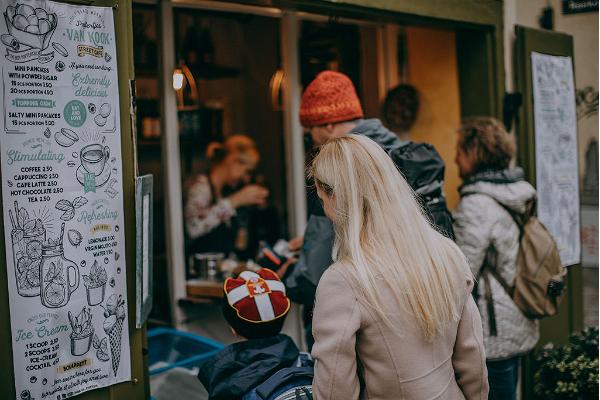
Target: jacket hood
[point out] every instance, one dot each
(507, 187)
(421, 166)
(420, 163)
(242, 366)
(374, 130)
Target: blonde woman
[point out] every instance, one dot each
(394, 316)
(209, 215)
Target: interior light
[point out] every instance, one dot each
(178, 79)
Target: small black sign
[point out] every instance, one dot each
(579, 6)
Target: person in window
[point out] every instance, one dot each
(210, 216)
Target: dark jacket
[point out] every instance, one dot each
(423, 169)
(240, 367)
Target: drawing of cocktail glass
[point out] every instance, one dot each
(60, 276)
(27, 237)
(93, 160)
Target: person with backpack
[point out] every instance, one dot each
(265, 364)
(513, 258)
(330, 108)
(394, 317)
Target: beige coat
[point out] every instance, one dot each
(358, 356)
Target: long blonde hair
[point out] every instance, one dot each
(384, 236)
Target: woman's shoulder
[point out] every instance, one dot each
(199, 182)
(476, 207)
(338, 275)
(200, 179)
(199, 191)
(474, 200)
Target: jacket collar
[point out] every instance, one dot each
(510, 175)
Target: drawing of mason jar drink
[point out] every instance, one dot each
(27, 238)
(93, 160)
(59, 276)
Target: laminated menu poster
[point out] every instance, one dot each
(63, 198)
(557, 167)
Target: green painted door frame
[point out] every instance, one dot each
(570, 315)
(138, 388)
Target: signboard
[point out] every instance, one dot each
(144, 225)
(579, 6)
(557, 168)
(63, 198)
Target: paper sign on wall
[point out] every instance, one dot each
(63, 198)
(557, 168)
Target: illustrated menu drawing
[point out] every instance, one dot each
(62, 196)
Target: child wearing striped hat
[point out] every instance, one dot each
(255, 305)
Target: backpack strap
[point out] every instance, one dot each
(489, 301)
(486, 269)
(508, 289)
(521, 219)
(270, 386)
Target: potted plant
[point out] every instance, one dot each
(95, 284)
(83, 330)
(569, 371)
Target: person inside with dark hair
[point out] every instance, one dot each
(400, 109)
(255, 306)
(493, 193)
(209, 214)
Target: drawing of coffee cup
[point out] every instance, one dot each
(94, 157)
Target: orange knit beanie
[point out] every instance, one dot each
(329, 98)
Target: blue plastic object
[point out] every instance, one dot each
(178, 349)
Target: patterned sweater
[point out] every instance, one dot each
(202, 212)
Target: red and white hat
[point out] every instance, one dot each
(257, 298)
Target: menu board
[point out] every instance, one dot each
(63, 198)
(557, 168)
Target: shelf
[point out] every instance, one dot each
(204, 289)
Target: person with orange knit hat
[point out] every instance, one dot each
(330, 108)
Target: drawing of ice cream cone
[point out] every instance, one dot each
(113, 326)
